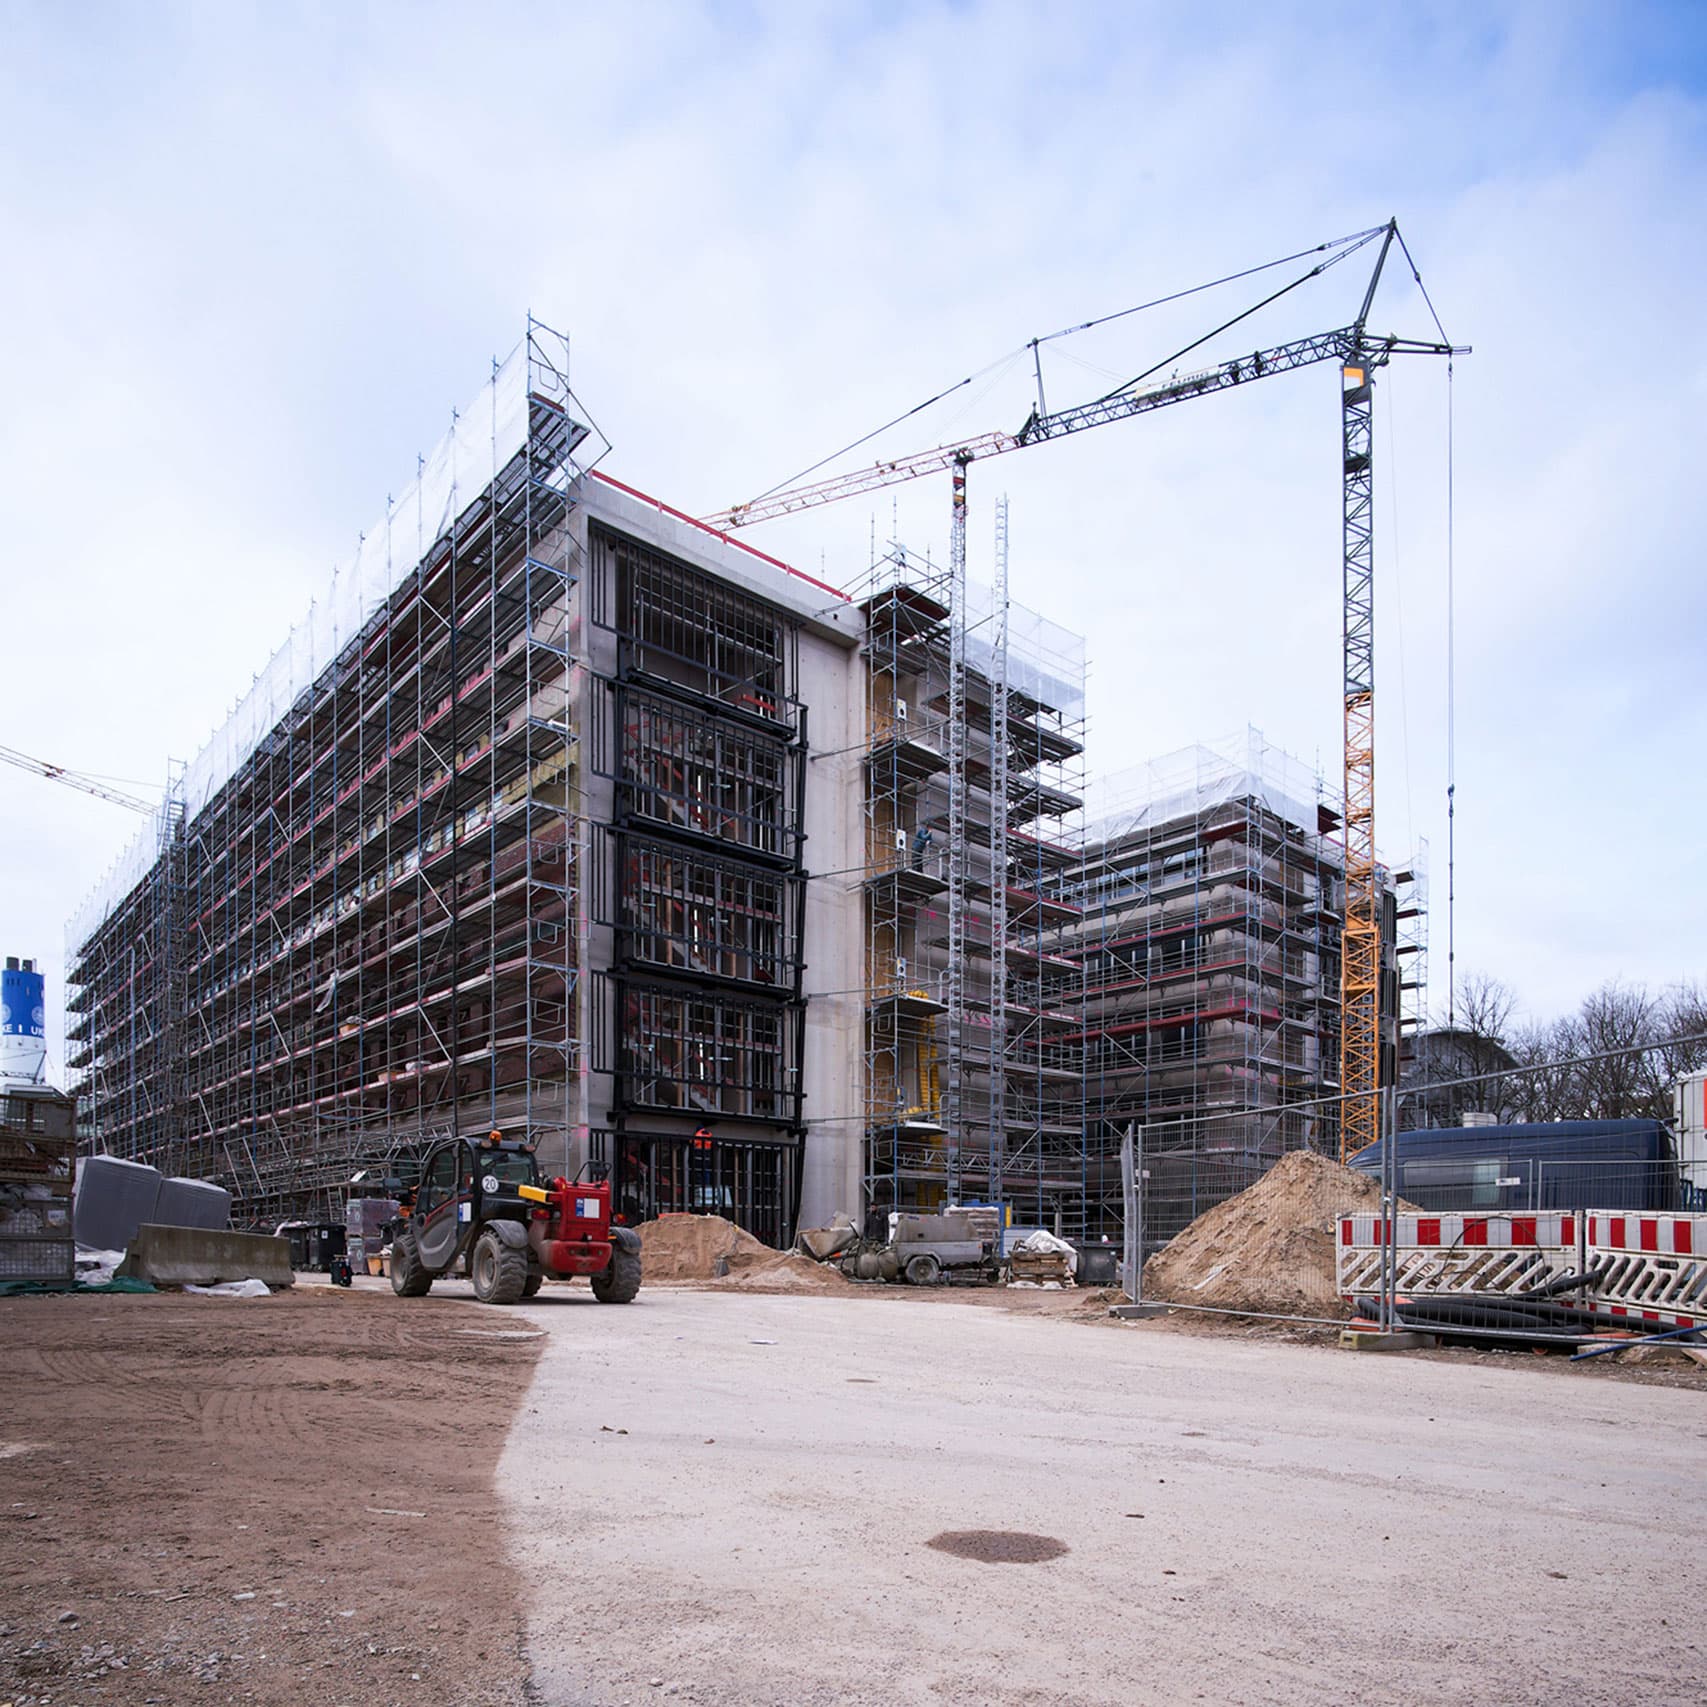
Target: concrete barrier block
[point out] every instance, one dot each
(199, 1256)
(1362, 1339)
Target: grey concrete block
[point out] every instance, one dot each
(199, 1256)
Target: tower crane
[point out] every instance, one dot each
(76, 779)
(1359, 354)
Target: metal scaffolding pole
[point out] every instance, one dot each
(954, 1097)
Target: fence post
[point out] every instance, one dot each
(1131, 1256)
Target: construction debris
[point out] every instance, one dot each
(781, 1271)
(707, 1247)
(1271, 1248)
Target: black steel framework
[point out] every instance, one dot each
(701, 880)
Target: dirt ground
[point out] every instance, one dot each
(289, 1499)
(277, 1500)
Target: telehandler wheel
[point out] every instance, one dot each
(619, 1283)
(924, 1271)
(535, 1281)
(499, 1271)
(408, 1278)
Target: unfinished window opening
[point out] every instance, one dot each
(683, 627)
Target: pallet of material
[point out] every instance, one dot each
(1039, 1266)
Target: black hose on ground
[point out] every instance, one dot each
(1569, 1282)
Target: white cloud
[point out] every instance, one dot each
(266, 256)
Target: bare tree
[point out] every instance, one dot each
(1620, 1025)
(1544, 1090)
(1683, 1030)
(1616, 1058)
(1487, 1006)
(1487, 1010)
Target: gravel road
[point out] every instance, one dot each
(734, 1499)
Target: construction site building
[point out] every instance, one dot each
(512, 834)
(567, 815)
(974, 782)
(1212, 896)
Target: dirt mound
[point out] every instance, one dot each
(694, 1247)
(782, 1271)
(1269, 1248)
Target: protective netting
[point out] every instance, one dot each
(1193, 779)
(482, 440)
(1045, 660)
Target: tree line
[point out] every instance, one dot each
(1616, 1058)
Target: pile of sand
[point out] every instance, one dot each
(1272, 1246)
(693, 1247)
(782, 1271)
(706, 1247)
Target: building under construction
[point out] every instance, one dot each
(973, 1073)
(566, 814)
(1212, 894)
(510, 833)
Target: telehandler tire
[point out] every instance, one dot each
(619, 1283)
(408, 1278)
(499, 1270)
(535, 1281)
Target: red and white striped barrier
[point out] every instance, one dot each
(1657, 1266)
(1654, 1266)
(1674, 1235)
(1455, 1253)
(1428, 1232)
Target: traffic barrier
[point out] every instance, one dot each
(1651, 1269)
(1455, 1253)
(199, 1256)
(1656, 1266)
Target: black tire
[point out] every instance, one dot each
(408, 1278)
(534, 1282)
(924, 1271)
(619, 1283)
(499, 1270)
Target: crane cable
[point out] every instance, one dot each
(1451, 718)
(1358, 238)
(1255, 308)
(1346, 245)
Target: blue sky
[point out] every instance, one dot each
(255, 254)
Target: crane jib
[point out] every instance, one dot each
(1341, 344)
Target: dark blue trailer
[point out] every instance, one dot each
(1561, 1164)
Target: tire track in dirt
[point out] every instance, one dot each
(199, 1492)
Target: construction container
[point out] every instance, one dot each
(193, 1203)
(114, 1198)
(1689, 1102)
(38, 1147)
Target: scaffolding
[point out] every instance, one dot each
(974, 1089)
(1213, 888)
(356, 924)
